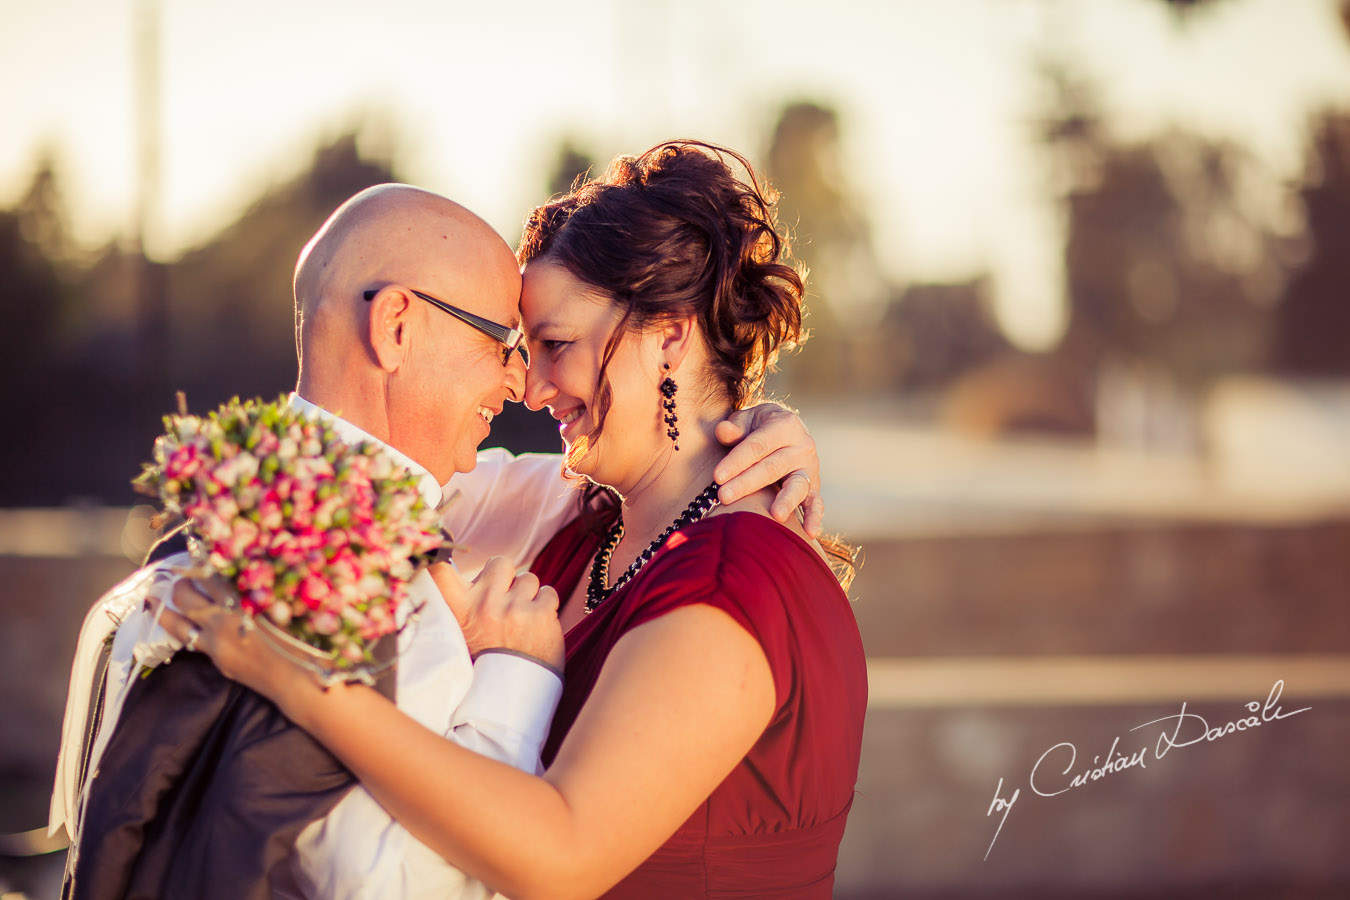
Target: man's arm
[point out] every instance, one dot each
(512, 505)
(771, 446)
(502, 710)
(508, 506)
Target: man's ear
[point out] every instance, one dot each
(676, 339)
(390, 311)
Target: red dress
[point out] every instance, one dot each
(772, 828)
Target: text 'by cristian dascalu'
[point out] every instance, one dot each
(1058, 771)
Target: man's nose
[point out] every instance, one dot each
(515, 377)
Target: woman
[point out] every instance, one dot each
(707, 742)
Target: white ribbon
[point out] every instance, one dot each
(129, 616)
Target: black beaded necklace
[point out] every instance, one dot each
(596, 592)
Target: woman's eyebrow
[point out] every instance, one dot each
(541, 326)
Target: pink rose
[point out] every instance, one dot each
(225, 507)
(313, 591)
(346, 565)
(324, 623)
(371, 586)
(323, 515)
(248, 495)
(279, 543)
(302, 516)
(214, 528)
(336, 540)
(244, 539)
(258, 600)
(269, 513)
(292, 558)
(283, 486)
(379, 622)
(183, 463)
(267, 443)
(257, 575)
(308, 539)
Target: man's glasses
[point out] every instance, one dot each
(511, 339)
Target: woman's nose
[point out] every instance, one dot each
(539, 389)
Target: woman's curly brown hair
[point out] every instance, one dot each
(673, 233)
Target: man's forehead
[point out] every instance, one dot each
(502, 306)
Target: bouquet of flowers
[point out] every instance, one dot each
(319, 537)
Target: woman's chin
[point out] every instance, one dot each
(578, 455)
(584, 459)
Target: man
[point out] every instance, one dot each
(407, 335)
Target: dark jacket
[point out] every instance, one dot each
(202, 790)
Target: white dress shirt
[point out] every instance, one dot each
(501, 705)
(507, 506)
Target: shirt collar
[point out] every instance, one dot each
(427, 485)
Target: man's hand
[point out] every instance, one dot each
(503, 610)
(772, 446)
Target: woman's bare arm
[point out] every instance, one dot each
(680, 701)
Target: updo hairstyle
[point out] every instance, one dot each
(674, 233)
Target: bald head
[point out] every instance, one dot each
(388, 233)
(396, 366)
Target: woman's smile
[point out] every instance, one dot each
(567, 419)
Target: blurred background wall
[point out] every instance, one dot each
(1079, 372)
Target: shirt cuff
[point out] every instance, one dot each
(525, 656)
(515, 691)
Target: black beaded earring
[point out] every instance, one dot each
(668, 389)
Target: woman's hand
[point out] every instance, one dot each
(203, 622)
(772, 446)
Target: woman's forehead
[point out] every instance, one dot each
(552, 295)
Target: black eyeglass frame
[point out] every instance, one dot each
(513, 339)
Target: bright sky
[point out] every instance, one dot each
(936, 99)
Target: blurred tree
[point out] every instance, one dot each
(569, 164)
(828, 229)
(934, 333)
(1314, 319)
(1313, 334)
(35, 256)
(868, 338)
(829, 234)
(1167, 258)
(71, 346)
(36, 297)
(42, 217)
(1183, 8)
(232, 325)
